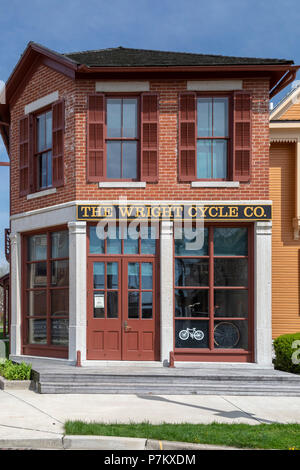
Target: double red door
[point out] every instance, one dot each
(122, 309)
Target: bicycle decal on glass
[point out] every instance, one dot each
(191, 333)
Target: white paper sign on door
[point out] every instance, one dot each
(98, 300)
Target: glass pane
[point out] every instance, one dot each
(231, 241)
(231, 272)
(112, 276)
(204, 159)
(37, 247)
(99, 276)
(220, 117)
(96, 244)
(130, 117)
(60, 244)
(147, 275)
(49, 169)
(41, 142)
(220, 159)
(99, 305)
(60, 302)
(131, 246)
(191, 272)
(60, 332)
(231, 303)
(231, 334)
(114, 118)
(204, 117)
(191, 334)
(129, 160)
(37, 331)
(148, 240)
(113, 244)
(112, 304)
(37, 303)
(49, 130)
(37, 275)
(133, 305)
(60, 273)
(113, 160)
(43, 170)
(181, 245)
(133, 276)
(146, 304)
(191, 303)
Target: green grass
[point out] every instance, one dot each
(260, 436)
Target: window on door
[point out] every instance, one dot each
(46, 290)
(212, 291)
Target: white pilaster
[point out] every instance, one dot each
(77, 295)
(15, 266)
(263, 293)
(166, 290)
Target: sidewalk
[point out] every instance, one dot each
(28, 415)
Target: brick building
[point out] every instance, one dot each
(106, 139)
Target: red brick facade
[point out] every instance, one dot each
(45, 80)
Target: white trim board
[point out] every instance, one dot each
(41, 102)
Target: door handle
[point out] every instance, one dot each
(126, 327)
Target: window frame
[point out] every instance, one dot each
(212, 353)
(47, 349)
(229, 138)
(36, 155)
(123, 139)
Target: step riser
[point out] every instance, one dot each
(166, 391)
(102, 379)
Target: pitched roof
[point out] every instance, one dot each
(125, 57)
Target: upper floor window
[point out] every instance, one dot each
(215, 136)
(43, 154)
(212, 137)
(41, 149)
(122, 138)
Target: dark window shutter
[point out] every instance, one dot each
(58, 127)
(95, 138)
(149, 137)
(242, 108)
(187, 136)
(24, 152)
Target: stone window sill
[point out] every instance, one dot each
(215, 184)
(122, 184)
(46, 192)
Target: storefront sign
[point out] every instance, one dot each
(218, 212)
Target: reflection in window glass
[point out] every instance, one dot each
(220, 159)
(130, 117)
(191, 303)
(96, 243)
(113, 166)
(99, 270)
(231, 241)
(133, 276)
(60, 332)
(182, 244)
(37, 331)
(37, 247)
(146, 305)
(114, 117)
(113, 243)
(147, 276)
(37, 275)
(204, 117)
(112, 304)
(231, 303)
(36, 303)
(133, 304)
(112, 276)
(60, 302)
(60, 273)
(220, 117)
(204, 169)
(231, 272)
(148, 240)
(191, 272)
(60, 244)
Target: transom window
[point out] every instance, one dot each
(122, 138)
(44, 149)
(212, 137)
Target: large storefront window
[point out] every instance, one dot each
(46, 293)
(212, 300)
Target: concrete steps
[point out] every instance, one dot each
(169, 382)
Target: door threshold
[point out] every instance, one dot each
(93, 363)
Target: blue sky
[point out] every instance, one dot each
(230, 27)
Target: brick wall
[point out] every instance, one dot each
(45, 81)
